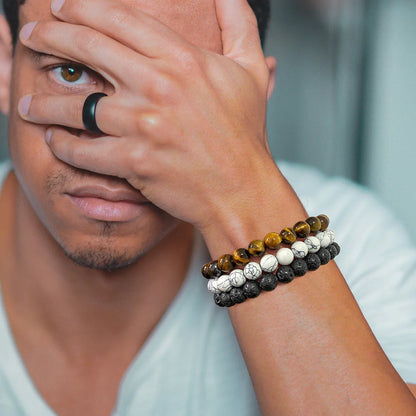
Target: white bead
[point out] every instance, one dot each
(252, 271)
(313, 244)
(285, 256)
(269, 263)
(331, 235)
(213, 286)
(324, 239)
(299, 249)
(237, 278)
(224, 283)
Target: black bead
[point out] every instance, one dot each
(313, 261)
(336, 245)
(299, 266)
(268, 281)
(251, 289)
(324, 255)
(237, 295)
(332, 251)
(285, 274)
(223, 299)
(214, 270)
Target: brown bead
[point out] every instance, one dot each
(205, 271)
(324, 221)
(272, 241)
(314, 223)
(288, 235)
(256, 248)
(302, 229)
(226, 263)
(241, 256)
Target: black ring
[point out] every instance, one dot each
(88, 112)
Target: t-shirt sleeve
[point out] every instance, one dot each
(378, 261)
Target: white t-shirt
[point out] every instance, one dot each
(191, 364)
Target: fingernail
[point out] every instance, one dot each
(27, 30)
(48, 136)
(56, 5)
(24, 104)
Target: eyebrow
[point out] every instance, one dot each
(38, 57)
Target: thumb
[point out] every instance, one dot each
(239, 32)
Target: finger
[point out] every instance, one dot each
(87, 46)
(105, 155)
(111, 116)
(123, 22)
(239, 32)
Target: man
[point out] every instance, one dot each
(97, 229)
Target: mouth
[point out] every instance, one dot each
(105, 203)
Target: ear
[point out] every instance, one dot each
(272, 65)
(5, 64)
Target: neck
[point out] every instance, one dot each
(47, 292)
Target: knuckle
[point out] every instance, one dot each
(148, 122)
(187, 60)
(119, 15)
(165, 89)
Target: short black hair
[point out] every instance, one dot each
(261, 9)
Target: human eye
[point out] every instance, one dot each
(71, 75)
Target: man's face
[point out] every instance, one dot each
(99, 221)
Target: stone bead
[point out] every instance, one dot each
(330, 234)
(205, 271)
(237, 295)
(272, 241)
(332, 251)
(299, 249)
(269, 263)
(288, 235)
(324, 255)
(251, 289)
(252, 271)
(299, 266)
(313, 261)
(241, 256)
(213, 286)
(302, 229)
(226, 263)
(324, 221)
(324, 239)
(268, 282)
(336, 245)
(237, 278)
(256, 248)
(313, 244)
(285, 256)
(314, 223)
(223, 300)
(223, 283)
(285, 274)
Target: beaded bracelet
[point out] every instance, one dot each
(237, 284)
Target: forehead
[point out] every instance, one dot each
(195, 20)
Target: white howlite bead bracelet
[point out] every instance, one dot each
(252, 271)
(313, 244)
(299, 249)
(269, 263)
(324, 239)
(285, 256)
(237, 278)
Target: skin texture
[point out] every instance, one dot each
(177, 112)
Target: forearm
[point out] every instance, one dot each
(307, 346)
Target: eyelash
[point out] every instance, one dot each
(54, 73)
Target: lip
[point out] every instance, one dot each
(107, 204)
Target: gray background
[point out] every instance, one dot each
(346, 93)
